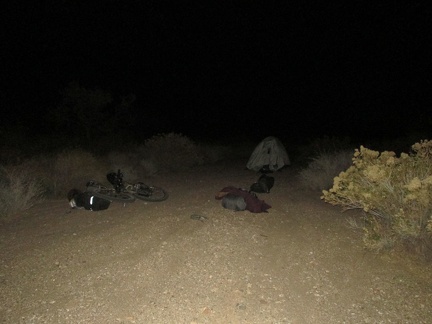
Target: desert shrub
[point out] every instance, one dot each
(320, 172)
(165, 152)
(321, 146)
(173, 152)
(212, 152)
(134, 163)
(19, 190)
(70, 169)
(394, 192)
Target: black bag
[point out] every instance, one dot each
(87, 200)
(263, 185)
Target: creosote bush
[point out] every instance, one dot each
(394, 192)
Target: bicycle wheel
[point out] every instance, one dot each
(112, 195)
(151, 194)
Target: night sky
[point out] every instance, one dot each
(227, 69)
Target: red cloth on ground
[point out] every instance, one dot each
(253, 204)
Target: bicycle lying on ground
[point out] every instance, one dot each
(124, 191)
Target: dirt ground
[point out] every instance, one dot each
(152, 263)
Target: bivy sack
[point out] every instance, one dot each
(233, 202)
(87, 200)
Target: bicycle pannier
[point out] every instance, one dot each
(263, 185)
(86, 200)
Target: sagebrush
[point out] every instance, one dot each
(394, 192)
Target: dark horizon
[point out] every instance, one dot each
(227, 70)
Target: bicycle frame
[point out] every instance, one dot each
(124, 191)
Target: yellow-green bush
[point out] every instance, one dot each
(394, 192)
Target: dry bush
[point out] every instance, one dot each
(24, 184)
(320, 172)
(19, 190)
(322, 146)
(134, 164)
(161, 153)
(173, 152)
(71, 169)
(394, 192)
(213, 153)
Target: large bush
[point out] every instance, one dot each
(173, 152)
(62, 171)
(23, 185)
(19, 190)
(321, 170)
(72, 169)
(321, 146)
(394, 192)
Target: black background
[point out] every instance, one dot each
(226, 69)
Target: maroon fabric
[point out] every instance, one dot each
(253, 204)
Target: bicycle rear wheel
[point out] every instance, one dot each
(112, 195)
(154, 194)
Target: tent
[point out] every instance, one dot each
(269, 155)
